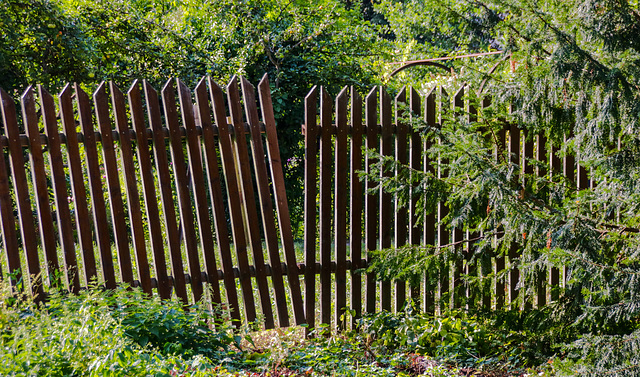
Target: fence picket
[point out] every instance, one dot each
(356, 205)
(401, 212)
(415, 163)
(248, 196)
(430, 228)
(326, 214)
(149, 190)
(113, 186)
(264, 197)
(131, 182)
(234, 197)
(164, 182)
(45, 223)
(217, 203)
(60, 191)
(310, 205)
(196, 173)
(280, 195)
(340, 203)
(19, 178)
(371, 203)
(78, 190)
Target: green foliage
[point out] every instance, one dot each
(573, 77)
(104, 334)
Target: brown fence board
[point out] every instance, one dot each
(21, 187)
(131, 182)
(248, 196)
(264, 196)
(514, 248)
(541, 156)
(38, 174)
(371, 203)
(280, 196)
(101, 104)
(164, 181)
(458, 293)
(430, 228)
(401, 212)
(310, 206)
(60, 191)
(183, 181)
(415, 163)
(341, 202)
(78, 190)
(196, 172)
(386, 216)
(326, 215)
(556, 167)
(443, 210)
(217, 201)
(234, 194)
(500, 262)
(356, 205)
(98, 206)
(9, 235)
(149, 192)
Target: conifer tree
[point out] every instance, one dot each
(574, 77)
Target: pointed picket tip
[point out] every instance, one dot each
(264, 82)
(45, 97)
(66, 91)
(371, 96)
(135, 87)
(149, 89)
(101, 91)
(312, 93)
(214, 88)
(167, 88)
(113, 88)
(202, 85)
(233, 82)
(247, 87)
(343, 94)
(402, 95)
(27, 94)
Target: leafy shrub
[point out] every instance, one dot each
(107, 333)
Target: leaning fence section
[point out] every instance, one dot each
(172, 191)
(346, 216)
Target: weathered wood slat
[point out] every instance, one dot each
(470, 248)
(458, 293)
(280, 195)
(371, 203)
(486, 260)
(500, 262)
(386, 216)
(541, 156)
(556, 167)
(21, 187)
(401, 212)
(166, 193)
(310, 204)
(101, 103)
(341, 202)
(60, 191)
(415, 163)
(514, 248)
(235, 199)
(326, 173)
(78, 190)
(9, 234)
(182, 181)
(99, 208)
(443, 210)
(264, 197)
(149, 192)
(430, 230)
(217, 203)
(131, 182)
(248, 198)
(199, 189)
(38, 174)
(356, 205)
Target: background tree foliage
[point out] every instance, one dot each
(573, 74)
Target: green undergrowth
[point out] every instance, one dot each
(125, 333)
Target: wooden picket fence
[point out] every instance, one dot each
(208, 163)
(343, 219)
